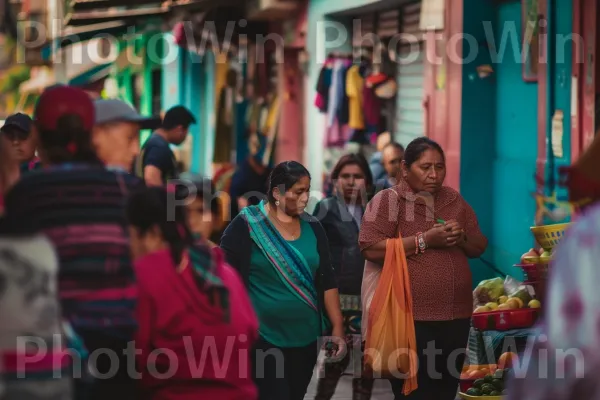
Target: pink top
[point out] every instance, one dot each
(208, 357)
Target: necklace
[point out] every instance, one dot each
(280, 224)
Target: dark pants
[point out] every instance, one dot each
(361, 387)
(283, 373)
(110, 382)
(438, 376)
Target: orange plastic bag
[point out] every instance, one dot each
(391, 346)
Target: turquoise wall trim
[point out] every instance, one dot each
(208, 113)
(171, 74)
(193, 100)
(319, 14)
(560, 17)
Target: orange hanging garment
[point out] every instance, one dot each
(391, 346)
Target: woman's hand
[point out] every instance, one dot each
(457, 233)
(339, 340)
(439, 236)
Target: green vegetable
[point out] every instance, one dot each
(473, 392)
(498, 374)
(478, 383)
(495, 393)
(487, 388)
(488, 378)
(498, 384)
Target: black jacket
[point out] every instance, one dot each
(236, 243)
(342, 233)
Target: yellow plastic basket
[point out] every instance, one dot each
(548, 236)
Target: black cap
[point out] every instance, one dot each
(19, 121)
(176, 116)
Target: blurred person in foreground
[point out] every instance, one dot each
(79, 205)
(562, 363)
(341, 216)
(156, 163)
(191, 305)
(116, 133)
(29, 308)
(18, 129)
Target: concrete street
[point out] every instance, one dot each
(381, 391)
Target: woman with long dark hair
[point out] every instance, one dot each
(283, 257)
(189, 301)
(79, 205)
(341, 216)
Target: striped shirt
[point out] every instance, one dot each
(80, 208)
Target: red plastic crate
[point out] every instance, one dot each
(534, 272)
(506, 319)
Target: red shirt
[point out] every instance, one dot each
(440, 279)
(209, 358)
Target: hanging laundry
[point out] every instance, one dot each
(334, 93)
(323, 84)
(372, 103)
(342, 109)
(354, 91)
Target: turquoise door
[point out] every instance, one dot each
(514, 163)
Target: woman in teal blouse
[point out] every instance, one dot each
(283, 257)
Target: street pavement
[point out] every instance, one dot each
(381, 390)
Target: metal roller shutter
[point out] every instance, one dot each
(410, 114)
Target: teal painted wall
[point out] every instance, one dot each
(499, 138)
(189, 79)
(516, 151)
(172, 74)
(193, 101)
(318, 17)
(207, 118)
(478, 124)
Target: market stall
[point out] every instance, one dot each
(504, 318)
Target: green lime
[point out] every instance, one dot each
(487, 388)
(488, 379)
(474, 392)
(495, 393)
(498, 384)
(478, 383)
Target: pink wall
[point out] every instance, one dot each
(443, 92)
(290, 141)
(582, 124)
